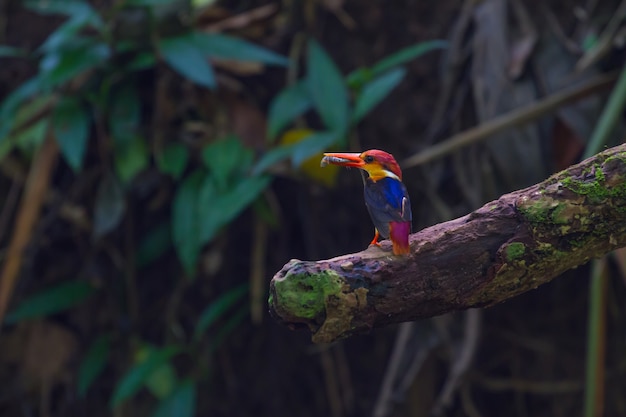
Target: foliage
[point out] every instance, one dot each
(93, 364)
(87, 94)
(341, 102)
(51, 301)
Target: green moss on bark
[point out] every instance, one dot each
(515, 250)
(305, 295)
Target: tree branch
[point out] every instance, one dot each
(507, 247)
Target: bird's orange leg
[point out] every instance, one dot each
(375, 240)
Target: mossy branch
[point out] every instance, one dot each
(508, 246)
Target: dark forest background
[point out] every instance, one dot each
(159, 162)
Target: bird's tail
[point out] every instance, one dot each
(399, 235)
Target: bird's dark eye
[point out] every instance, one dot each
(369, 159)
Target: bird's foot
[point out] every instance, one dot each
(375, 240)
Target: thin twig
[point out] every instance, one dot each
(8, 206)
(244, 19)
(461, 362)
(384, 403)
(509, 120)
(30, 206)
(605, 41)
(455, 57)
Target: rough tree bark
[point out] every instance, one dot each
(508, 246)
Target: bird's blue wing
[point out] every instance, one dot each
(387, 201)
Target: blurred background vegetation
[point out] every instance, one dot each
(159, 162)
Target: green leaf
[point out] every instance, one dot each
(272, 157)
(64, 37)
(70, 8)
(27, 140)
(68, 36)
(51, 301)
(184, 56)
(162, 381)
(173, 160)
(93, 364)
(133, 48)
(30, 137)
(142, 61)
(327, 89)
(217, 45)
(12, 103)
(70, 122)
(124, 112)
(130, 159)
(217, 210)
(110, 205)
(8, 51)
(359, 77)
(182, 402)
(136, 377)
(218, 308)
(375, 91)
(311, 145)
(186, 221)
(290, 103)
(59, 67)
(156, 242)
(226, 158)
(407, 54)
(298, 152)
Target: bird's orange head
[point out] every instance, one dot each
(378, 164)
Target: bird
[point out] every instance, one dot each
(386, 197)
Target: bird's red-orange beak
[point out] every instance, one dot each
(343, 159)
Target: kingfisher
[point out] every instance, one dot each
(386, 197)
